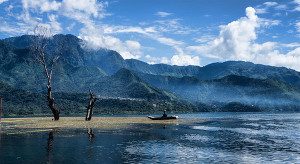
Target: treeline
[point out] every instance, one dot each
(22, 102)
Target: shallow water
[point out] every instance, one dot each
(221, 138)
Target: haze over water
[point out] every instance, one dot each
(222, 137)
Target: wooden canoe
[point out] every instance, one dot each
(163, 118)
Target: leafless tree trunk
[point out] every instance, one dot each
(90, 107)
(40, 41)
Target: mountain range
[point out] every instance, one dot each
(214, 87)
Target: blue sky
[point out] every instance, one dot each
(176, 32)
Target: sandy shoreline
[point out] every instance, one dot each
(30, 123)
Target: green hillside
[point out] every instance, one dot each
(20, 71)
(207, 88)
(74, 52)
(22, 102)
(74, 74)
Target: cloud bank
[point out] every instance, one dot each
(236, 41)
(84, 12)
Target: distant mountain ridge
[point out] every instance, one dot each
(111, 61)
(219, 70)
(107, 73)
(266, 93)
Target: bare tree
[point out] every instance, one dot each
(90, 107)
(42, 36)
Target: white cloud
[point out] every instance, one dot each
(180, 59)
(5, 27)
(1, 1)
(8, 10)
(291, 45)
(13, 30)
(298, 5)
(164, 60)
(42, 5)
(134, 47)
(236, 41)
(183, 59)
(96, 36)
(152, 60)
(84, 12)
(269, 4)
(203, 50)
(261, 11)
(69, 28)
(168, 41)
(281, 7)
(236, 37)
(163, 14)
(151, 63)
(295, 52)
(155, 60)
(49, 6)
(109, 42)
(298, 26)
(80, 10)
(108, 29)
(55, 26)
(148, 31)
(172, 26)
(85, 7)
(129, 49)
(121, 29)
(205, 38)
(268, 22)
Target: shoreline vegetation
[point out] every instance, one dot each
(38, 124)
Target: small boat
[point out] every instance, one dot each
(163, 118)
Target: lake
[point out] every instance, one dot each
(221, 138)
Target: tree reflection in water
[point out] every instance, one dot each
(50, 145)
(91, 138)
(0, 139)
(91, 135)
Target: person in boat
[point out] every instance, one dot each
(165, 115)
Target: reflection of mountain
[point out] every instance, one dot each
(108, 74)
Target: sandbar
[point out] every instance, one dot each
(36, 124)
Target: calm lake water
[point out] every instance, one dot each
(222, 138)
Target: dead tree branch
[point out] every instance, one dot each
(90, 106)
